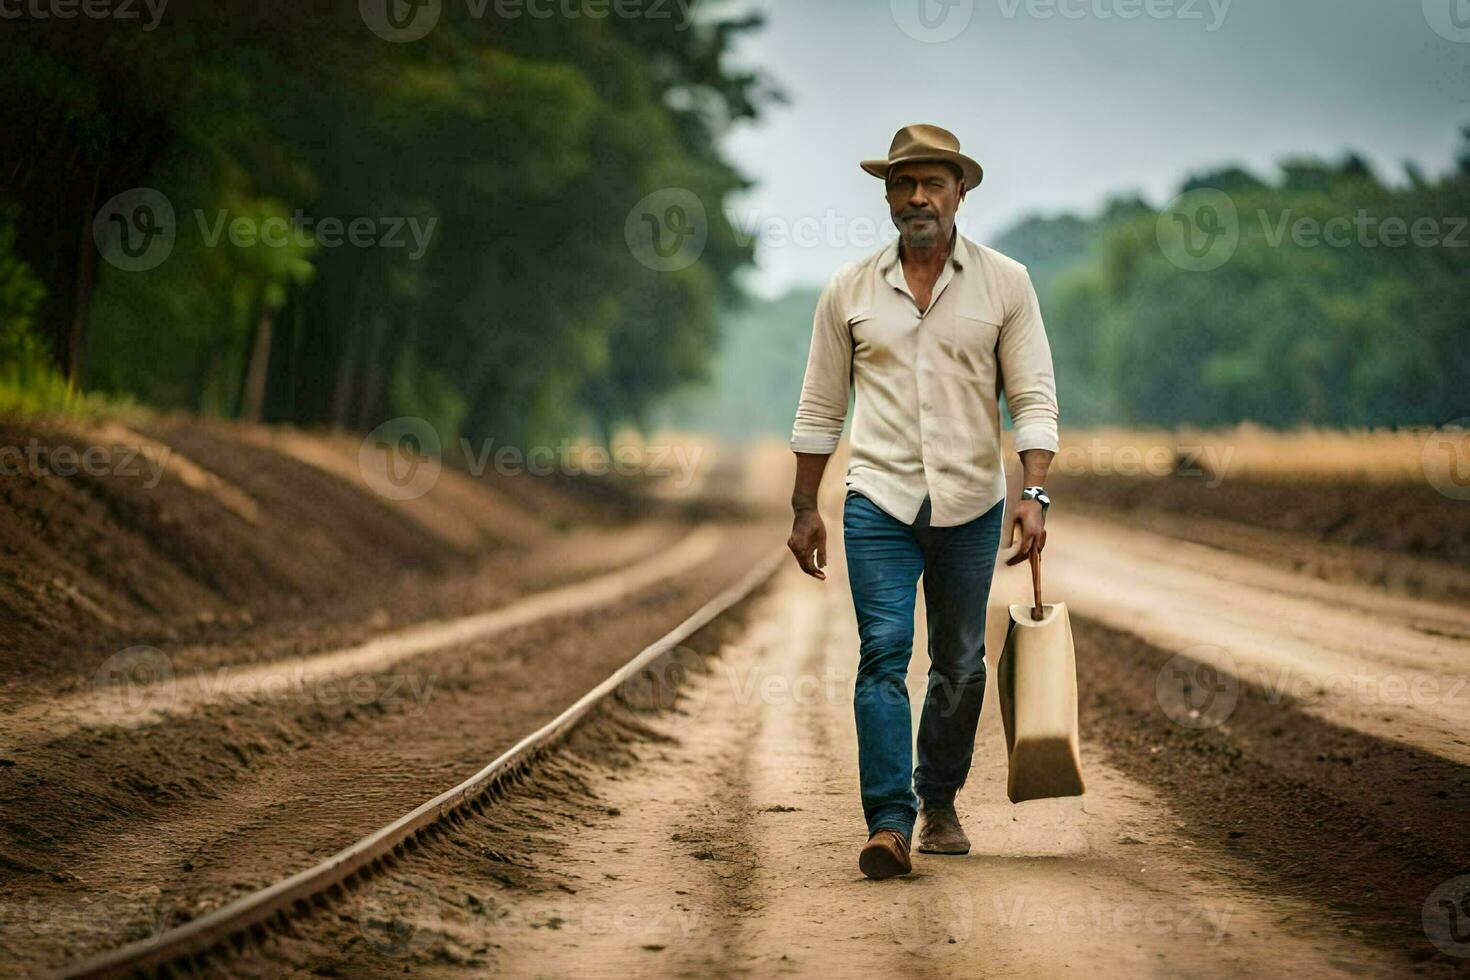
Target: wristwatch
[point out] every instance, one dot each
(1037, 494)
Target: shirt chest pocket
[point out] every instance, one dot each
(969, 340)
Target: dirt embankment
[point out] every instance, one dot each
(1404, 536)
(176, 532)
(1410, 519)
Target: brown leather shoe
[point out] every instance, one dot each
(885, 855)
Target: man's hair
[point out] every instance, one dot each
(953, 168)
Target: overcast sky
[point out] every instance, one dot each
(1064, 111)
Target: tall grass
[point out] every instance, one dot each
(30, 382)
(31, 388)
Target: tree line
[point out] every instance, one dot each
(296, 142)
(1324, 295)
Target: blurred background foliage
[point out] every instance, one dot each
(525, 141)
(1286, 333)
(1364, 335)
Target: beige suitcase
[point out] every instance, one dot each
(1038, 699)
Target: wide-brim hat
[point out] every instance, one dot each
(926, 144)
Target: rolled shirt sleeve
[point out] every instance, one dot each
(824, 390)
(1025, 368)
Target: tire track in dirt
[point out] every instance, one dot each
(721, 839)
(1364, 830)
(1391, 667)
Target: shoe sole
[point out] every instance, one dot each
(929, 849)
(879, 864)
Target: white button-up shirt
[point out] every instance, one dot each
(926, 418)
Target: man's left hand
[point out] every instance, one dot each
(1031, 520)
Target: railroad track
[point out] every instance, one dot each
(191, 948)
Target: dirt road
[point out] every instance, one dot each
(1277, 754)
(219, 672)
(1276, 834)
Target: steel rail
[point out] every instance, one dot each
(250, 917)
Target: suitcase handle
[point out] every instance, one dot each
(1037, 613)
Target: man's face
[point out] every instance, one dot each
(923, 199)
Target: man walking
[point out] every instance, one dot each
(925, 335)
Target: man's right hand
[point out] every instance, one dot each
(809, 543)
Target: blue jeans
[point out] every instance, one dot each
(884, 560)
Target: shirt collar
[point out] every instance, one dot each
(892, 269)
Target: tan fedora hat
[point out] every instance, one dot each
(926, 144)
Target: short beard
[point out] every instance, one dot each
(921, 235)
